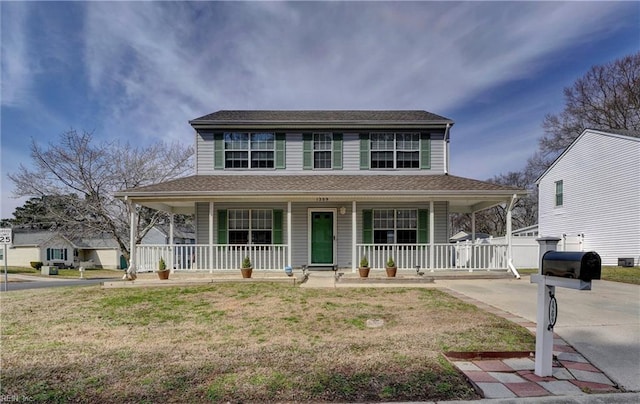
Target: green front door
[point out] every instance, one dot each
(322, 238)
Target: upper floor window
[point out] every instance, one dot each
(395, 150)
(559, 193)
(322, 150)
(244, 150)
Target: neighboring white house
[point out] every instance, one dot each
(592, 190)
(53, 248)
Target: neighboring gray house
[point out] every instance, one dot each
(323, 189)
(160, 234)
(592, 190)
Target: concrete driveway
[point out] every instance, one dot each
(603, 324)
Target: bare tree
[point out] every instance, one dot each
(493, 220)
(606, 97)
(85, 174)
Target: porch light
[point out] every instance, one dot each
(343, 210)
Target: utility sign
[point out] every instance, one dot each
(5, 236)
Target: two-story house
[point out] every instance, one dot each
(323, 189)
(592, 192)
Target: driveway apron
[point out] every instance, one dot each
(603, 324)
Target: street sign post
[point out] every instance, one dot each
(5, 240)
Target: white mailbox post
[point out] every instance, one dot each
(587, 268)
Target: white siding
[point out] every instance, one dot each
(22, 256)
(108, 259)
(601, 187)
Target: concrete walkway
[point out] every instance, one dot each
(602, 324)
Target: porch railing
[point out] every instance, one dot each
(460, 256)
(198, 257)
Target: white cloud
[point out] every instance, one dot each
(16, 66)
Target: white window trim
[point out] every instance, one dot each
(249, 151)
(395, 151)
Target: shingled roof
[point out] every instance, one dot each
(220, 185)
(334, 117)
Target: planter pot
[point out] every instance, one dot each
(164, 274)
(391, 271)
(246, 272)
(364, 272)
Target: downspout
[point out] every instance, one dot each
(446, 149)
(508, 237)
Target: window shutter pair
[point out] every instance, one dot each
(425, 151)
(276, 231)
(218, 151)
(307, 151)
(367, 226)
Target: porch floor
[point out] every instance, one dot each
(326, 278)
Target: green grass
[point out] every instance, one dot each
(609, 273)
(622, 274)
(89, 273)
(242, 343)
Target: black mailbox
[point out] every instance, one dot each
(572, 264)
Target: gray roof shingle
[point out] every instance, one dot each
(325, 116)
(303, 184)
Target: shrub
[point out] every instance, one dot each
(36, 265)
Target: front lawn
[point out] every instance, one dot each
(613, 274)
(243, 342)
(89, 273)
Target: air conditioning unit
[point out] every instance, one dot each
(625, 262)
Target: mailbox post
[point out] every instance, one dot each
(573, 270)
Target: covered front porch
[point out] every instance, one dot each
(322, 221)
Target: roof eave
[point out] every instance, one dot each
(244, 124)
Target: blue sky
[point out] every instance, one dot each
(138, 71)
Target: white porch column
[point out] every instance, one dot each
(289, 236)
(354, 235)
(211, 216)
(509, 223)
(171, 250)
(432, 236)
(509, 237)
(473, 226)
(131, 271)
(473, 241)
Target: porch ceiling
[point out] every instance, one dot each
(180, 195)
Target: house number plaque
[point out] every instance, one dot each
(553, 311)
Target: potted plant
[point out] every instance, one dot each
(246, 268)
(163, 272)
(364, 267)
(391, 268)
